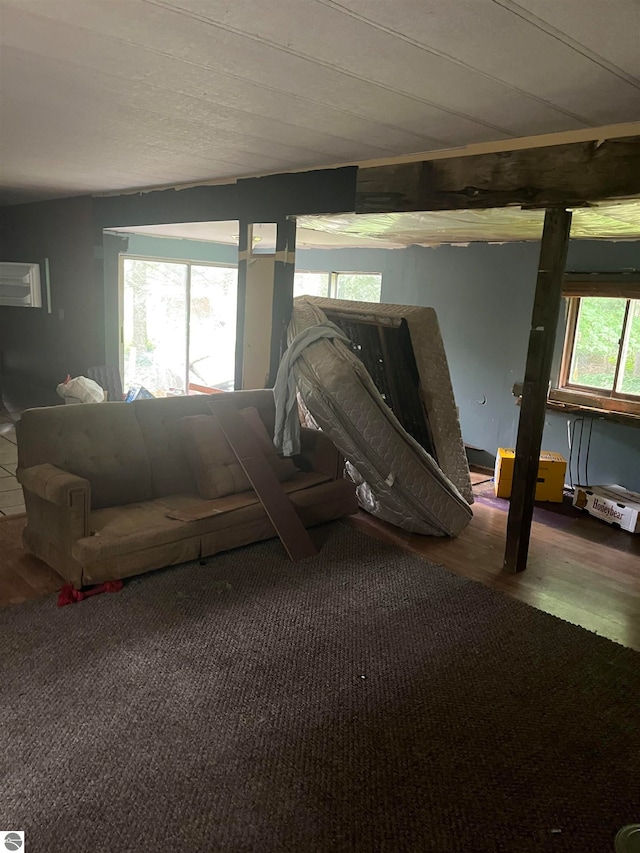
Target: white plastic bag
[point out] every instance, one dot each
(80, 390)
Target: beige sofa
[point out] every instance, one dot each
(101, 480)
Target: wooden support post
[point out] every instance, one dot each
(284, 270)
(546, 309)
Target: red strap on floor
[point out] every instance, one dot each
(69, 595)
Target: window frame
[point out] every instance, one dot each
(566, 393)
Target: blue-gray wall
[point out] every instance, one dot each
(483, 295)
(189, 250)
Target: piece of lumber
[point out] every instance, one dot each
(272, 496)
(240, 500)
(544, 320)
(568, 175)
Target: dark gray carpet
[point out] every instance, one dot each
(363, 700)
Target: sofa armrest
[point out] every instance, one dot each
(319, 453)
(54, 485)
(58, 508)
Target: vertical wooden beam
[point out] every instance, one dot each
(244, 241)
(546, 309)
(285, 266)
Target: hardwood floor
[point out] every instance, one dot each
(584, 582)
(22, 576)
(570, 575)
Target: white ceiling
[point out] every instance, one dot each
(102, 95)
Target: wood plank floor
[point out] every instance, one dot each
(22, 575)
(581, 581)
(584, 582)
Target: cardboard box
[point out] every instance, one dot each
(612, 504)
(552, 468)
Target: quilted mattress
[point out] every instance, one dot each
(397, 479)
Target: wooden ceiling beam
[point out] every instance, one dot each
(569, 175)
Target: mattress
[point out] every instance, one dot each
(397, 479)
(436, 391)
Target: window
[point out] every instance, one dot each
(601, 356)
(356, 286)
(311, 283)
(359, 286)
(178, 325)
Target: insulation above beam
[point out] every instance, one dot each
(618, 220)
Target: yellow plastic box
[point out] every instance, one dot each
(551, 472)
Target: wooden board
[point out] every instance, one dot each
(273, 498)
(569, 175)
(240, 500)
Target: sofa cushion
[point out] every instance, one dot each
(116, 531)
(108, 557)
(213, 462)
(159, 420)
(100, 442)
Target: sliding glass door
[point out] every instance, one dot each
(179, 325)
(212, 326)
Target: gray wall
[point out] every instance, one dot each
(38, 349)
(483, 295)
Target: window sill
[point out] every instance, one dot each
(626, 418)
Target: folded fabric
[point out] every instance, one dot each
(287, 429)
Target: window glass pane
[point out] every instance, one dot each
(597, 342)
(155, 323)
(362, 287)
(629, 377)
(212, 326)
(311, 284)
